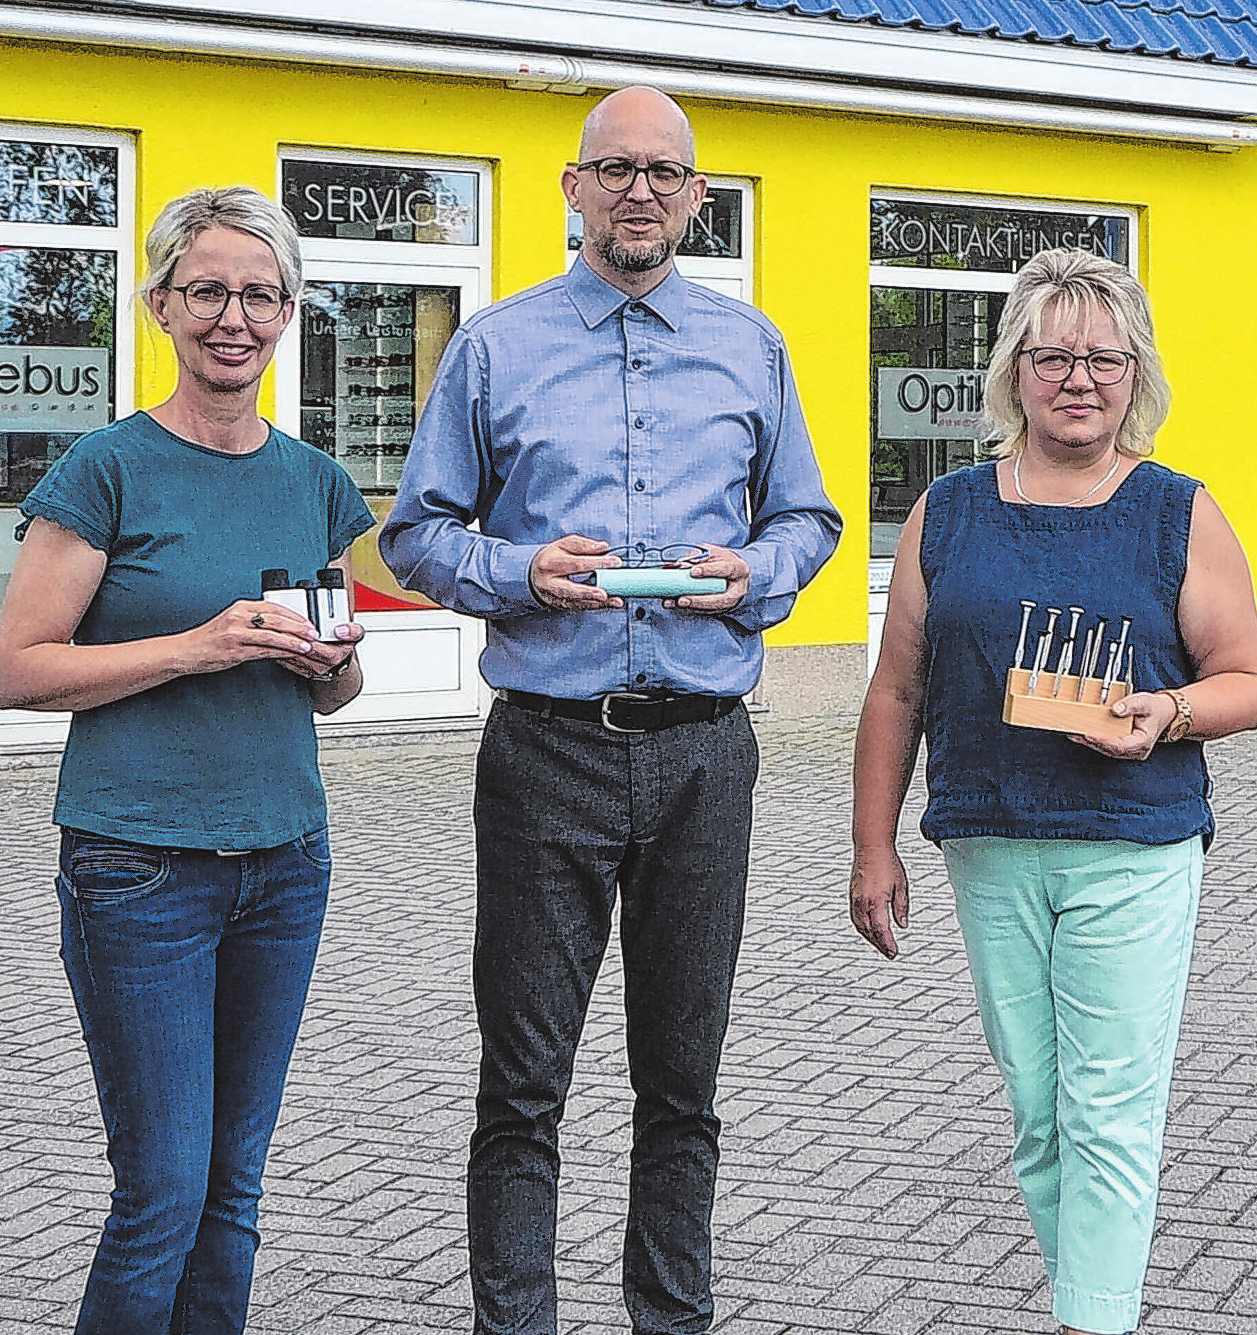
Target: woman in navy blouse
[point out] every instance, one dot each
(1076, 857)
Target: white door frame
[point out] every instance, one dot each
(416, 665)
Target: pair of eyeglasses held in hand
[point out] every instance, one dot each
(655, 572)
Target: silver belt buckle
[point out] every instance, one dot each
(606, 709)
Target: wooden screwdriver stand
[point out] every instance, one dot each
(1064, 712)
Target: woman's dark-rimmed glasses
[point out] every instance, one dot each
(616, 175)
(207, 300)
(1105, 366)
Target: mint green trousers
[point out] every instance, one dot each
(1080, 952)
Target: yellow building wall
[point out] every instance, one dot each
(219, 122)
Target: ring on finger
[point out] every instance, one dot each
(257, 621)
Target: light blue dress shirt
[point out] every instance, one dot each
(574, 408)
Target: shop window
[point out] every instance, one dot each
(396, 201)
(940, 273)
(394, 261)
(396, 255)
(65, 270)
(369, 353)
(67, 229)
(717, 248)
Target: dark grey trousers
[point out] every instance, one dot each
(566, 812)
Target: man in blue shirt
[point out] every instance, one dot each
(618, 407)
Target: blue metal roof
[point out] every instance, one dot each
(1224, 31)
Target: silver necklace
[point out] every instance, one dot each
(1078, 500)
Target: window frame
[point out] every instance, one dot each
(22, 729)
(979, 280)
(118, 239)
(421, 253)
(409, 263)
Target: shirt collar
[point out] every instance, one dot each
(595, 299)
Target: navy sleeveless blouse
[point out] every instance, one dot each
(980, 556)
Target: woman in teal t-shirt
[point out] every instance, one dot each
(194, 858)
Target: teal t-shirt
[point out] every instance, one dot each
(216, 760)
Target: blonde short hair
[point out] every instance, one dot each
(1076, 283)
(238, 207)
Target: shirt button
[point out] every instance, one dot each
(639, 485)
(636, 363)
(641, 546)
(635, 309)
(640, 678)
(639, 422)
(640, 614)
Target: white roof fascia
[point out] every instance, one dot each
(574, 72)
(782, 43)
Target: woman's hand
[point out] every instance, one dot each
(322, 656)
(247, 631)
(1151, 711)
(327, 697)
(879, 892)
(886, 746)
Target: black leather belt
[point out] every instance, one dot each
(627, 711)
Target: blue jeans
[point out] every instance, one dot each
(189, 971)
(1080, 952)
(565, 813)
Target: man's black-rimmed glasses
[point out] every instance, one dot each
(1105, 366)
(207, 300)
(616, 175)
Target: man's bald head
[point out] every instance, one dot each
(615, 122)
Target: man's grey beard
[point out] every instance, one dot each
(623, 260)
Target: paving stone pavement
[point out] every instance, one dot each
(864, 1185)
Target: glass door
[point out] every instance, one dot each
(929, 353)
(353, 383)
(66, 347)
(940, 271)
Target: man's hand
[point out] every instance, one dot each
(725, 564)
(571, 555)
(879, 890)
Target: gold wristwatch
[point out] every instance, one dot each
(1181, 723)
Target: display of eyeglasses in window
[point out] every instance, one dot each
(70, 185)
(56, 356)
(369, 353)
(360, 201)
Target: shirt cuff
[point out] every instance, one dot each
(761, 573)
(755, 612)
(510, 577)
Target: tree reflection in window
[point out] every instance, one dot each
(52, 298)
(69, 185)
